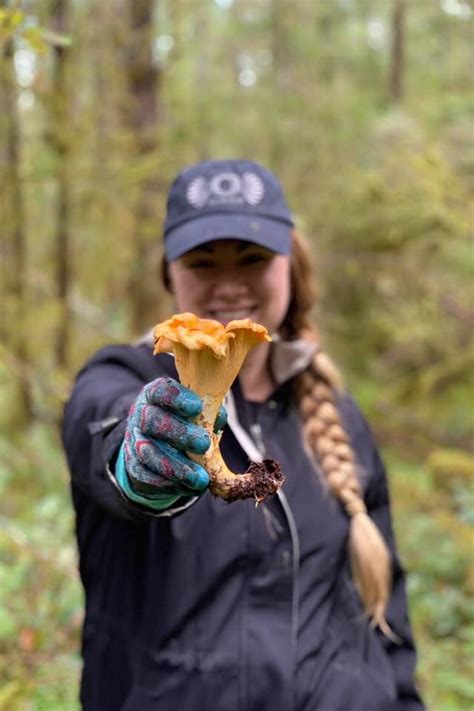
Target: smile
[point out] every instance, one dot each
(226, 315)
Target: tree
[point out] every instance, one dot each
(142, 118)
(60, 139)
(397, 51)
(15, 309)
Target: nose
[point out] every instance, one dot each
(230, 286)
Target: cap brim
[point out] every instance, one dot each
(274, 235)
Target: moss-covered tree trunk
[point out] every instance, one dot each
(398, 51)
(14, 327)
(61, 146)
(142, 118)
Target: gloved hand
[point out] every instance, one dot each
(152, 467)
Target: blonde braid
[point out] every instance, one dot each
(328, 441)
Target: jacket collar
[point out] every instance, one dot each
(289, 358)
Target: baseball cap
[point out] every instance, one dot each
(226, 199)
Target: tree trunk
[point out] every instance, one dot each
(142, 114)
(398, 51)
(61, 149)
(14, 325)
(280, 28)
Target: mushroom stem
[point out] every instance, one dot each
(262, 479)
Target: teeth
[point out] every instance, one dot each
(231, 315)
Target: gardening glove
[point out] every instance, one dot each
(152, 467)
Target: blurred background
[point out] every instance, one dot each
(364, 109)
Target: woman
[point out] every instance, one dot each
(193, 603)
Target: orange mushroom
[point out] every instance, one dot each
(208, 358)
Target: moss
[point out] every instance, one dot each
(451, 466)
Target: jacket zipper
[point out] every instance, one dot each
(257, 436)
(253, 445)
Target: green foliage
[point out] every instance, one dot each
(435, 542)
(11, 20)
(453, 474)
(398, 288)
(16, 24)
(40, 597)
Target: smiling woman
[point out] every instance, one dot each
(296, 604)
(233, 279)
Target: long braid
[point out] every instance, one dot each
(316, 390)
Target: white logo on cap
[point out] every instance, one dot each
(225, 189)
(197, 192)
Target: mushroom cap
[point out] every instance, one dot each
(196, 333)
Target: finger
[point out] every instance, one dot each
(144, 481)
(173, 396)
(221, 419)
(188, 473)
(182, 434)
(170, 464)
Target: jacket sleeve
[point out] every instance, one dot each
(94, 426)
(402, 654)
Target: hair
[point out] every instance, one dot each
(317, 390)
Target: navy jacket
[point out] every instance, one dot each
(226, 607)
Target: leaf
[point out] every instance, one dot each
(8, 693)
(56, 39)
(34, 36)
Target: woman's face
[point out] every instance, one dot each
(232, 279)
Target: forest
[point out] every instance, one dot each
(364, 109)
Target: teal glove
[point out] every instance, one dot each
(157, 501)
(152, 467)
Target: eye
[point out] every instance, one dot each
(200, 264)
(255, 258)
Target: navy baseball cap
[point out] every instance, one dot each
(226, 199)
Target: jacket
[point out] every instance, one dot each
(226, 607)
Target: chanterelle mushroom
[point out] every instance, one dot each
(208, 358)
